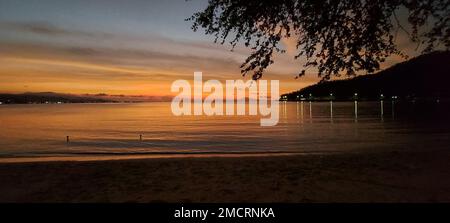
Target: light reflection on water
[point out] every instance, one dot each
(303, 127)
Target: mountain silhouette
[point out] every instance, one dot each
(47, 97)
(423, 77)
(53, 97)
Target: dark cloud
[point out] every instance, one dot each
(47, 29)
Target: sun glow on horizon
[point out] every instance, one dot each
(132, 54)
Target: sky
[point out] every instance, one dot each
(131, 47)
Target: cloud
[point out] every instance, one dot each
(47, 29)
(122, 61)
(131, 62)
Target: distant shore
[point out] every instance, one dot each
(415, 176)
(324, 99)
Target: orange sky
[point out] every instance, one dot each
(36, 68)
(65, 52)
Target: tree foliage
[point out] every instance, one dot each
(337, 37)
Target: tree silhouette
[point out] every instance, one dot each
(337, 37)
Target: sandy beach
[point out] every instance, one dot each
(350, 177)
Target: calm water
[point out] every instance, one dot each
(41, 130)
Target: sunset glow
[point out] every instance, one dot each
(127, 49)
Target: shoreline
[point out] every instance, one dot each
(143, 156)
(389, 176)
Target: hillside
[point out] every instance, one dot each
(51, 98)
(426, 76)
(47, 97)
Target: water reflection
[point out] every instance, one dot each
(331, 111)
(393, 109)
(116, 128)
(284, 110)
(310, 112)
(301, 112)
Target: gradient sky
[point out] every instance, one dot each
(119, 47)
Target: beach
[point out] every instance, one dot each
(388, 176)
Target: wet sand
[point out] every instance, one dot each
(351, 177)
